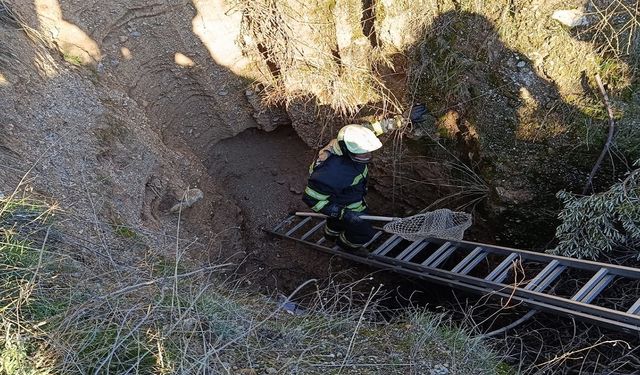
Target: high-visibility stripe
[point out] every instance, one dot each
(314, 194)
(360, 176)
(349, 243)
(357, 206)
(320, 205)
(357, 180)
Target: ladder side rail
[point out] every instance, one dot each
(538, 296)
(589, 265)
(599, 315)
(532, 295)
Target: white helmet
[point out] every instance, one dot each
(358, 139)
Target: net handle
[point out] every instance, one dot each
(364, 217)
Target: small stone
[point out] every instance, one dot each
(271, 370)
(188, 199)
(136, 34)
(570, 17)
(222, 93)
(247, 371)
(281, 182)
(295, 189)
(521, 64)
(124, 38)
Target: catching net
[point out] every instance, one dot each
(442, 223)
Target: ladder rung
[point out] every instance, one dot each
(472, 260)
(283, 222)
(439, 255)
(416, 251)
(313, 230)
(594, 286)
(500, 273)
(544, 284)
(548, 274)
(321, 240)
(298, 226)
(389, 244)
(635, 309)
(375, 237)
(411, 248)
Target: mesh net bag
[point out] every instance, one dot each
(442, 223)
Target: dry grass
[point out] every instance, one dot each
(67, 309)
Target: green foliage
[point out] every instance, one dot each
(596, 225)
(21, 353)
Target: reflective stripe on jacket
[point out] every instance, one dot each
(339, 180)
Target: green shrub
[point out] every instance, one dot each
(595, 225)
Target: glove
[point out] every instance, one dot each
(351, 217)
(332, 210)
(418, 113)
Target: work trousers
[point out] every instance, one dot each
(352, 235)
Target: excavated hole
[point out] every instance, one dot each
(264, 173)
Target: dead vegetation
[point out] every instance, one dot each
(69, 309)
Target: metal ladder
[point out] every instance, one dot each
(517, 275)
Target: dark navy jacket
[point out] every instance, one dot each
(337, 180)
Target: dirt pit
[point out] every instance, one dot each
(265, 174)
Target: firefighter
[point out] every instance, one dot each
(338, 179)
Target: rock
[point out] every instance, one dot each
(247, 371)
(570, 17)
(521, 64)
(295, 189)
(124, 38)
(281, 182)
(136, 34)
(189, 198)
(271, 370)
(222, 93)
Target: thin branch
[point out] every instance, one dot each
(607, 145)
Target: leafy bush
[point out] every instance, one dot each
(595, 225)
